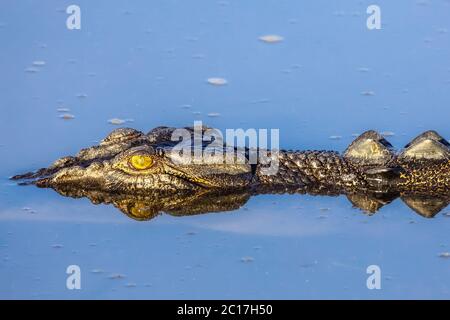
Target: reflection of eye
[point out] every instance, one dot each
(141, 162)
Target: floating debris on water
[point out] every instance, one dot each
(335, 137)
(32, 70)
(271, 38)
(97, 271)
(217, 81)
(198, 56)
(67, 116)
(39, 63)
(364, 69)
(388, 133)
(260, 101)
(185, 106)
(444, 255)
(247, 259)
(131, 285)
(191, 233)
(339, 13)
(191, 39)
(422, 2)
(213, 114)
(116, 276)
(309, 265)
(57, 246)
(368, 93)
(118, 121)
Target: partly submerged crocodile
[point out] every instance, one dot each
(129, 164)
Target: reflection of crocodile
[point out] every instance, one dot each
(193, 202)
(130, 162)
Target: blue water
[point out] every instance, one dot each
(146, 61)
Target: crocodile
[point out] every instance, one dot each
(130, 163)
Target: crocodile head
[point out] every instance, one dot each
(129, 161)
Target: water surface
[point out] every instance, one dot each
(148, 62)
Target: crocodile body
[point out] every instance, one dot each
(129, 162)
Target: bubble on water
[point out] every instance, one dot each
(82, 95)
(271, 38)
(444, 255)
(63, 109)
(67, 116)
(57, 246)
(213, 114)
(442, 30)
(186, 106)
(217, 81)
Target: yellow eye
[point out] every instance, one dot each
(141, 162)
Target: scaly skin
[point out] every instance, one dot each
(130, 163)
